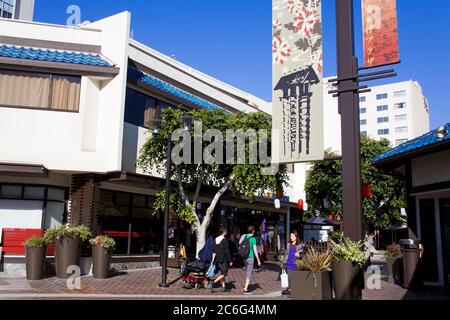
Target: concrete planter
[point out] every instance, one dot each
(306, 285)
(35, 261)
(348, 280)
(67, 254)
(101, 262)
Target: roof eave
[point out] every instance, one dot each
(398, 160)
(66, 68)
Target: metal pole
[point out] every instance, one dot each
(164, 283)
(349, 110)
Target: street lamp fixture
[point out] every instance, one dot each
(187, 121)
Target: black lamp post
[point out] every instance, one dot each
(187, 121)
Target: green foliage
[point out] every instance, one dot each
(177, 206)
(60, 232)
(388, 192)
(336, 236)
(393, 251)
(348, 250)
(37, 242)
(104, 241)
(315, 261)
(246, 179)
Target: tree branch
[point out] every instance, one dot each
(197, 190)
(214, 202)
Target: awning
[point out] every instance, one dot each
(23, 170)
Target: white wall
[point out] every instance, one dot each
(424, 172)
(87, 141)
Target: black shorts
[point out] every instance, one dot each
(223, 268)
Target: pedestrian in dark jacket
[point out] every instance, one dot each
(222, 258)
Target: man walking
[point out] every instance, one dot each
(222, 258)
(248, 243)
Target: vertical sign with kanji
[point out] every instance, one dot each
(380, 31)
(297, 81)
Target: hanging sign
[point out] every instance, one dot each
(297, 81)
(380, 31)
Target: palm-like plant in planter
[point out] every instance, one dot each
(393, 256)
(348, 261)
(67, 242)
(35, 252)
(313, 279)
(102, 249)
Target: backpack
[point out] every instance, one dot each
(244, 248)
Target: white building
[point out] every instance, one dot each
(397, 112)
(17, 9)
(74, 104)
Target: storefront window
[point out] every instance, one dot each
(129, 219)
(32, 206)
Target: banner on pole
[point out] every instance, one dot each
(380, 30)
(297, 81)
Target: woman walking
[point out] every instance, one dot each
(294, 251)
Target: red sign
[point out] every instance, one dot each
(380, 31)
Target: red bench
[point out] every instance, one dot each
(13, 240)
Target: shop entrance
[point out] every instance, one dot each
(428, 236)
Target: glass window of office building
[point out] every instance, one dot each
(7, 8)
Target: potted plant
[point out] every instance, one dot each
(393, 255)
(102, 249)
(313, 279)
(348, 277)
(35, 252)
(67, 242)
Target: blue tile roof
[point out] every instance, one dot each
(427, 140)
(48, 55)
(154, 82)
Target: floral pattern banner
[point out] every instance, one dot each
(297, 81)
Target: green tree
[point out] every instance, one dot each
(324, 181)
(244, 178)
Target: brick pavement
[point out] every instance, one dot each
(143, 284)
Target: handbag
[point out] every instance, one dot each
(211, 271)
(284, 280)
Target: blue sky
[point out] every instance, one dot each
(231, 39)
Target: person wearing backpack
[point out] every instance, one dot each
(248, 251)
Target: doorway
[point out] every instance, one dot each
(429, 263)
(445, 229)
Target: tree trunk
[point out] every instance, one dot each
(201, 230)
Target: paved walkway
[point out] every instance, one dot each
(143, 284)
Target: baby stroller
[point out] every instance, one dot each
(194, 272)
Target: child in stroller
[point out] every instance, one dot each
(194, 272)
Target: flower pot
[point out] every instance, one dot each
(306, 285)
(394, 266)
(67, 253)
(35, 261)
(101, 262)
(348, 280)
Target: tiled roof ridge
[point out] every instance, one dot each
(424, 141)
(54, 55)
(170, 89)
